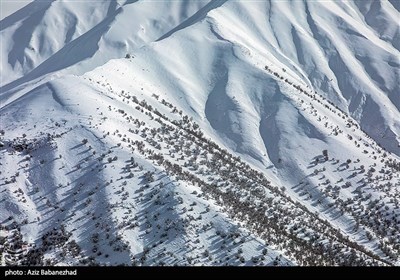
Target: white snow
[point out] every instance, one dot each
(274, 83)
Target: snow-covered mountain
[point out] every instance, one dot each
(201, 132)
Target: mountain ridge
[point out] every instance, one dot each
(263, 129)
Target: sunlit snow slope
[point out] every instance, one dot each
(234, 132)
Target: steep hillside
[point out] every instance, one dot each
(107, 164)
(233, 132)
(37, 41)
(346, 51)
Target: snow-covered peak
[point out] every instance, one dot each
(190, 132)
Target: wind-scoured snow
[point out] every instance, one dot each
(215, 132)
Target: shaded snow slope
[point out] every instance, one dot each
(47, 36)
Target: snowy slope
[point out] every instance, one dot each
(347, 51)
(47, 36)
(270, 130)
